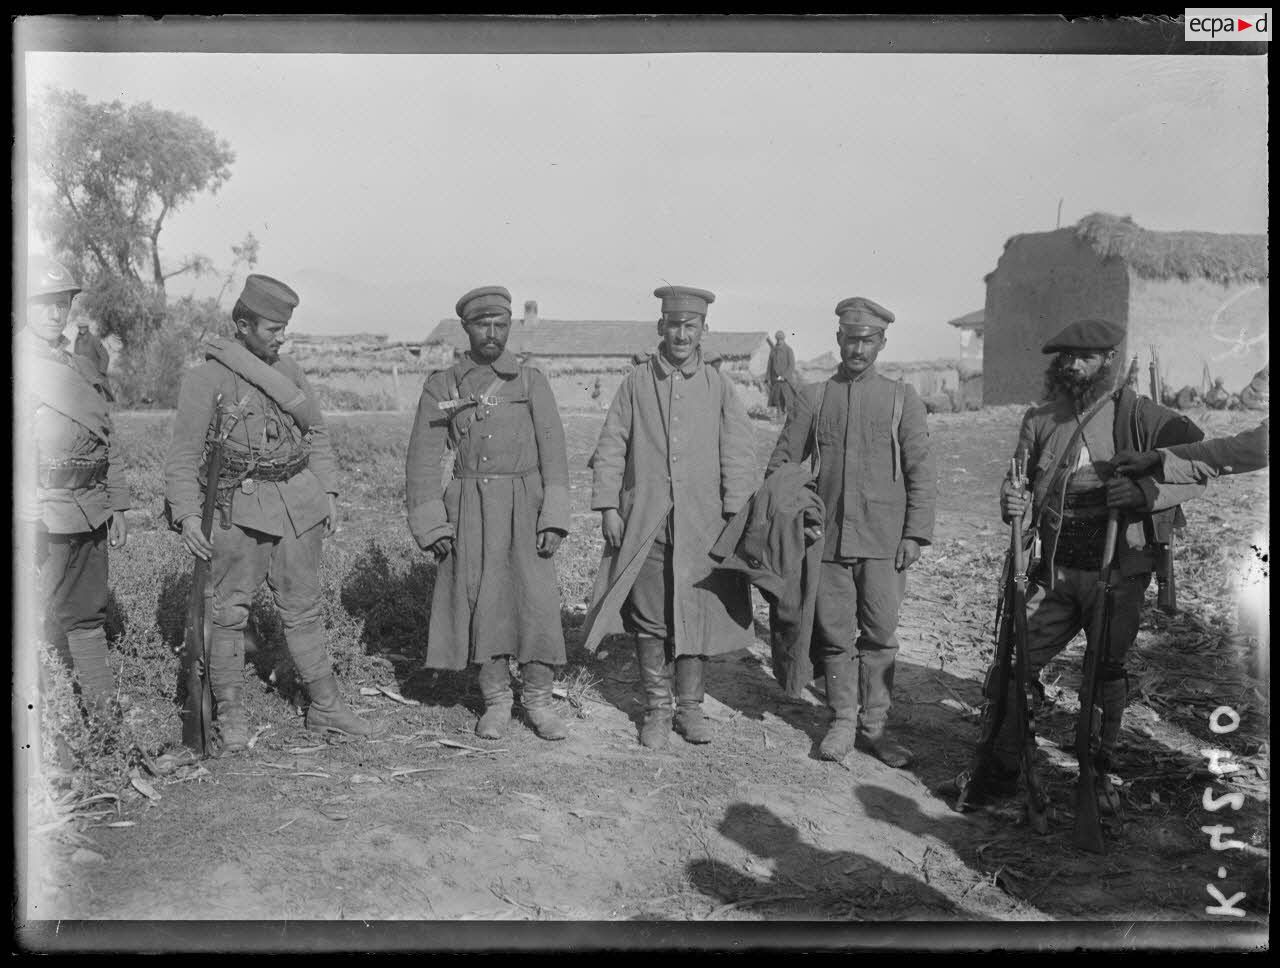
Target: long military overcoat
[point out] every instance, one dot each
(493, 594)
(675, 438)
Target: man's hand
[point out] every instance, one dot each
(194, 540)
(1123, 493)
(331, 522)
(812, 533)
(118, 530)
(1130, 463)
(1013, 503)
(440, 548)
(908, 554)
(548, 543)
(611, 527)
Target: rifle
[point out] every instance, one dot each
(197, 712)
(1088, 829)
(1036, 802)
(1157, 389)
(1011, 663)
(1131, 378)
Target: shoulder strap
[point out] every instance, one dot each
(813, 430)
(1071, 446)
(899, 400)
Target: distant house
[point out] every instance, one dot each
(592, 345)
(971, 326)
(1200, 298)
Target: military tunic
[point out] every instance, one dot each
(494, 595)
(69, 485)
(878, 485)
(674, 458)
(272, 529)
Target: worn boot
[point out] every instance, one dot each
(875, 695)
(689, 719)
(1114, 694)
(329, 714)
(88, 648)
(226, 679)
(841, 677)
(495, 687)
(233, 724)
(655, 676)
(536, 699)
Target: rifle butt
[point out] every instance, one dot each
(197, 710)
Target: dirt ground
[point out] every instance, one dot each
(429, 822)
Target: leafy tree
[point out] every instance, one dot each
(112, 174)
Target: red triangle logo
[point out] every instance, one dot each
(1243, 24)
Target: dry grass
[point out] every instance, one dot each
(1183, 255)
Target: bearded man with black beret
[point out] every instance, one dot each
(1069, 445)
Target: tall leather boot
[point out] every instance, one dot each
(689, 719)
(88, 648)
(226, 679)
(655, 677)
(329, 714)
(1113, 695)
(495, 688)
(535, 696)
(841, 677)
(875, 695)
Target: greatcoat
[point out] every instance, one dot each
(676, 443)
(493, 594)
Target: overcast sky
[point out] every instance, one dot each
(383, 186)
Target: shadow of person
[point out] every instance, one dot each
(807, 882)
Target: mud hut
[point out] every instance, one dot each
(1200, 298)
(972, 327)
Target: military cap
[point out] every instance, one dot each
(860, 311)
(268, 298)
(482, 302)
(1086, 334)
(48, 278)
(684, 299)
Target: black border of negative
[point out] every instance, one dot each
(1057, 34)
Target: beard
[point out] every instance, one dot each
(1062, 383)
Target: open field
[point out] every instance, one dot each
(429, 822)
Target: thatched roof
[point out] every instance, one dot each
(563, 337)
(1184, 255)
(975, 320)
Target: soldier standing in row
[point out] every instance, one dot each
(673, 462)
(493, 530)
(1068, 445)
(877, 481)
(70, 491)
(277, 501)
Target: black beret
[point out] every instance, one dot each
(1086, 334)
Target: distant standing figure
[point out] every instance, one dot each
(91, 348)
(782, 373)
(494, 528)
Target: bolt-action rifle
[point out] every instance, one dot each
(1088, 829)
(1011, 669)
(197, 712)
